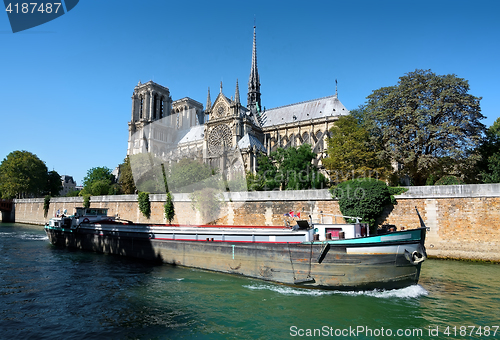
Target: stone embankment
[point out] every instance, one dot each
(464, 220)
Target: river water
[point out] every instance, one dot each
(52, 293)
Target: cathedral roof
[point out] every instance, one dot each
(312, 109)
(194, 134)
(249, 141)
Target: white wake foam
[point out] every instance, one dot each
(33, 237)
(408, 292)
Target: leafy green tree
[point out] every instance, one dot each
(489, 167)
(169, 208)
(365, 198)
(73, 193)
(351, 153)
(424, 118)
(288, 169)
(265, 179)
(98, 181)
(493, 176)
(126, 179)
(54, 184)
(295, 168)
(449, 180)
(46, 205)
(86, 201)
(144, 204)
(188, 175)
(22, 174)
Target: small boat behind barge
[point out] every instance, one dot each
(306, 255)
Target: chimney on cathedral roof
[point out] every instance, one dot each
(253, 102)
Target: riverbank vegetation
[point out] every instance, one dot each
(425, 130)
(24, 175)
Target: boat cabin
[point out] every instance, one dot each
(332, 231)
(82, 215)
(94, 212)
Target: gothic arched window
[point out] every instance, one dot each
(319, 137)
(155, 98)
(142, 107)
(305, 138)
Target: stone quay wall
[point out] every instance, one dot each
(464, 220)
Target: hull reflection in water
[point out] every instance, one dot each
(293, 256)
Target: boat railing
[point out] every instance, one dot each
(333, 220)
(328, 219)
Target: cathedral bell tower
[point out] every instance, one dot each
(253, 103)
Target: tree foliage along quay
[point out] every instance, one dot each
(351, 154)
(424, 118)
(490, 151)
(23, 174)
(288, 169)
(126, 180)
(98, 181)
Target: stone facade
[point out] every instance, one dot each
(226, 134)
(464, 220)
(68, 185)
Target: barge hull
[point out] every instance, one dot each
(310, 264)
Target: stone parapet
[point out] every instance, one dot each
(464, 220)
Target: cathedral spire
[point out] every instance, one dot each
(253, 102)
(209, 101)
(237, 93)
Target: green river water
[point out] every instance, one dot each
(52, 293)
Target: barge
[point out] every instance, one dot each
(309, 255)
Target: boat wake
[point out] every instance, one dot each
(414, 291)
(33, 237)
(25, 236)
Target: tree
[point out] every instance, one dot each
(22, 174)
(422, 119)
(98, 181)
(493, 176)
(188, 175)
(265, 179)
(126, 179)
(351, 154)
(46, 205)
(288, 169)
(54, 184)
(489, 167)
(144, 204)
(365, 198)
(169, 208)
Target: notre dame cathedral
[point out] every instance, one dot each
(226, 134)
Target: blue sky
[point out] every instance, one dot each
(65, 86)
